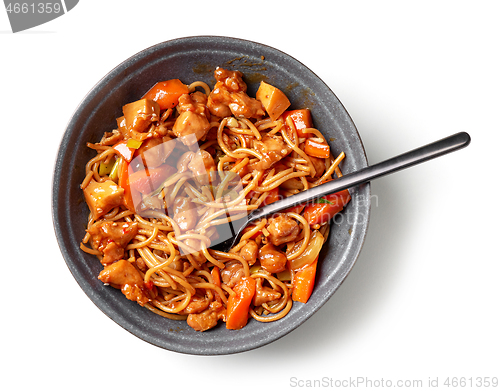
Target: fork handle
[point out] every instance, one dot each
(389, 166)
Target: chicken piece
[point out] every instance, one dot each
(191, 127)
(101, 197)
(264, 294)
(208, 318)
(195, 306)
(184, 160)
(123, 275)
(271, 259)
(155, 151)
(111, 138)
(203, 166)
(319, 166)
(282, 229)
(272, 148)
(185, 214)
(140, 114)
(111, 238)
(197, 102)
(249, 252)
(242, 106)
(229, 97)
(193, 121)
(232, 273)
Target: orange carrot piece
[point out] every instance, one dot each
(303, 282)
(239, 303)
(318, 213)
(301, 119)
(123, 182)
(273, 196)
(215, 272)
(167, 93)
(148, 180)
(316, 149)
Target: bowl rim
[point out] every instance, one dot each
(56, 187)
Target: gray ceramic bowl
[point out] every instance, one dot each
(190, 59)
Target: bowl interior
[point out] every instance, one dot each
(191, 59)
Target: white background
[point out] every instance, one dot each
(423, 298)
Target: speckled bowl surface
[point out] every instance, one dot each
(191, 59)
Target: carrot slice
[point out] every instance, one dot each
(301, 119)
(303, 282)
(316, 149)
(239, 303)
(124, 183)
(167, 93)
(331, 204)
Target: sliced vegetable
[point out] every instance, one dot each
(215, 272)
(105, 168)
(310, 253)
(285, 275)
(301, 119)
(255, 269)
(134, 144)
(273, 196)
(239, 303)
(326, 207)
(113, 175)
(123, 182)
(167, 93)
(316, 149)
(274, 101)
(148, 180)
(303, 282)
(124, 151)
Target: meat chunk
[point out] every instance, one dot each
(202, 165)
(208, 318)
(184, 160)
(249, 252)
(190, 127)
(123, 275)
(185, 214)
(264, 294)
(139, 114)
(155, 151)
(229, 97)
(111, 238)
(101, 197)
(195, 306)
(282, 229)
(272, 148)
(319, 165)
(232, 273)
(271, 259)
(193, 121)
